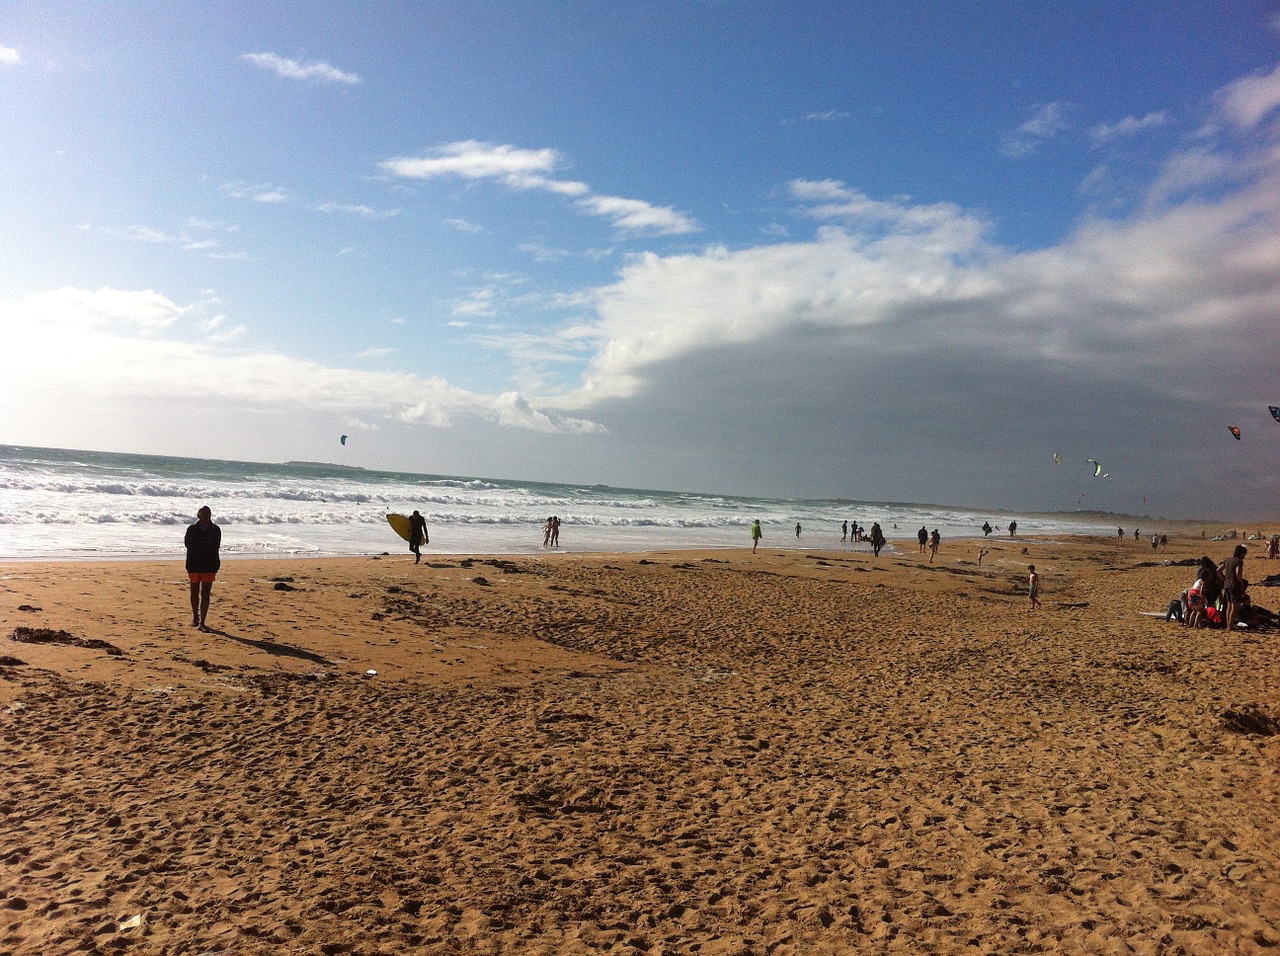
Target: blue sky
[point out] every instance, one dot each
(882, 251)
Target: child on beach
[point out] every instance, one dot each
(1033, 586)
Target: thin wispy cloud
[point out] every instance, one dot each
(827, 116)
(1049, 120)
(530, 169)
(462, 225)
(210, 247)
(263, 194)
(1249, 100)
(356, 209)
(1129, 126)
(313, 72)
(9, 56)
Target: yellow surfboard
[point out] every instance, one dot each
(399, 524)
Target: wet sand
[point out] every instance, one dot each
(690, 752)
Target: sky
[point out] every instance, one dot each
(880, 251)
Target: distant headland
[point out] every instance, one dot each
(324, 464)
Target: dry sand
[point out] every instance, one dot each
(785, 753)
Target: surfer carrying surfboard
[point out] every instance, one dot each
(417, 535)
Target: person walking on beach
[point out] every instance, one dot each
(986, 528)
(417, 535)
(922, 536)
(546, 533)
(555, 531)
(202, 541)
(844, 531)
(1033, 586)
(934, 540)
(756, 535)
(797, 530)
(1233, 585)
(877, 538)
(1013, 528)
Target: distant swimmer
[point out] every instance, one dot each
(202, 541)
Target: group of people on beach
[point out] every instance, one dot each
(1218, 596)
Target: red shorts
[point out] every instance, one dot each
(201, 578)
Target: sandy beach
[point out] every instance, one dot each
(686, 752)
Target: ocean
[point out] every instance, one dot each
(59, 504)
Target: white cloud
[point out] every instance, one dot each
(377, 353)
(264, 194)
(314, 72)
(477, 304)
(9, 56)
(1049, 120)
(635, 215)
(529, 169)
(471, 159)
(354, 209)
(1249, 100)
(463, 226)
(827, 116)
(1129, 126)
(133, 345)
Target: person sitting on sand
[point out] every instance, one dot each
(202, 541)
(1033, 587)
(756, 535)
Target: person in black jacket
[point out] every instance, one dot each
(202, 542)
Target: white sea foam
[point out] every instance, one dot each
(80, 504)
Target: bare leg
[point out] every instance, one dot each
(206, 590)
(195, 604)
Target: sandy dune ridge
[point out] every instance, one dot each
(792, 752)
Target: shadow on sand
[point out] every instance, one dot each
(275, 650)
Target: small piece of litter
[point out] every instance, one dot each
(371, 673)
(133, 922)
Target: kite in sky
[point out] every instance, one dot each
(1097, 467)
(1057, 459)
(343, 439)
(1275, 412)
(1234, 431)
